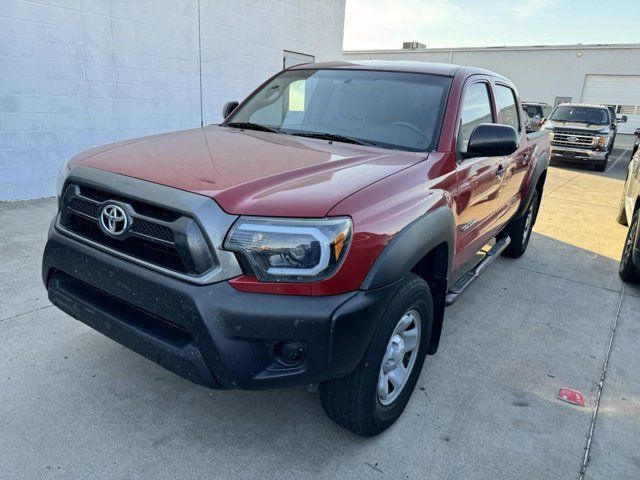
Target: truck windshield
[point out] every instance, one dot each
(590, 115)
(386, 109)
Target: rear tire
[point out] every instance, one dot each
(374, 395)
(519, 230)
(628, 271)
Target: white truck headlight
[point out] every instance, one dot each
(602, 141)
(291, 250)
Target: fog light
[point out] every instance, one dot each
(289, 354)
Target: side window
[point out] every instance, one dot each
(476, 109)
(506, 100)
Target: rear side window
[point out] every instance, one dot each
(476, 109)
(507, 105)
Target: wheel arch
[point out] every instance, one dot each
(538, 178)
(425, 247)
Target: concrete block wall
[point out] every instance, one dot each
(79, 73)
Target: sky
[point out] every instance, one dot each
(385, 24)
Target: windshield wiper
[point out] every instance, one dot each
(334, 137)
(253, 126)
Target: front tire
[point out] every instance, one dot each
(600, 166)
(374, 395)
(628, 271)
(519, 230)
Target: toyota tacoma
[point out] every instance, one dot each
(314, 237)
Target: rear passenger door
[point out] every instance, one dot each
(515, 165)
(479, 178)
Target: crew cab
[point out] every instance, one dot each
(582, 133)
(315, 236)
(629, 215)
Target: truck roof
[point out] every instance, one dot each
(591, 105)
(446, 69)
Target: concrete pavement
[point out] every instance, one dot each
(74, 404)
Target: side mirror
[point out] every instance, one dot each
(623, 119)
(637, 132)
(228, 108)
(492, 140)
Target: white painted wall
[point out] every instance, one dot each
(76, 74)
(540, 73)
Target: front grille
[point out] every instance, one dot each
(153, 230)
(156, 235)
(571, 138)
(83, 207)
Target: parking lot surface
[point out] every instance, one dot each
(74, 404)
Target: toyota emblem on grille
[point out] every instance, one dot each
(113, 219)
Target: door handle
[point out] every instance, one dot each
(500, 171)
(525, 158)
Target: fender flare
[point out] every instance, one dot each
(540, 168)
(410, 245)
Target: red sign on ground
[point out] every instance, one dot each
(571, 396)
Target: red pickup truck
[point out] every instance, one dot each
(314, 237)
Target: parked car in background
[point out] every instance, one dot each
(315, 236)
(628, 215)
(636, 142)
(581, 133)
(537, 113)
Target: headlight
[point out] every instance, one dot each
(602, 141)
(291, 250)
(63, 173)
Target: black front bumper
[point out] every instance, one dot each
(211, 334)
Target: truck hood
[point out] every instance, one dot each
(578, 126)
(249, 172)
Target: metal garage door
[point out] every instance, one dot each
(620, 90)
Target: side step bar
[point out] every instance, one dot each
(502, 242)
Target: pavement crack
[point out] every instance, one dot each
(374, 466)
(529, 269)
(25, 313)
(582, 202)
(547, 194)
(603, 376)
